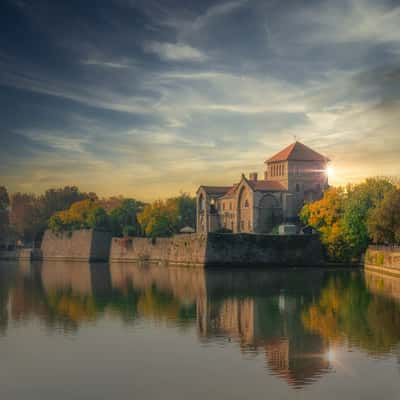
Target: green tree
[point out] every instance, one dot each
(59, 199)
(361, 199)
(165, 218)
(82, 214)
(159, 218)
(124, 216)
(98, 218)
(186, 206)
(384, 221)
(341, 217)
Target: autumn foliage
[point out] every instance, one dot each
(347, 219)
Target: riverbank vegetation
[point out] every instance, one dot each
(349, 218)
(25, 216)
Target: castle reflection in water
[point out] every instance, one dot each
(294, 318)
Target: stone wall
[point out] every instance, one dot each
(222, 249)
(187, 249)
(84, 244)
(383, 258)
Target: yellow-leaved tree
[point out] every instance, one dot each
(326, 216)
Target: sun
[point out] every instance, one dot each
(329, 171)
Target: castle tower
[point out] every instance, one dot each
(301, 170)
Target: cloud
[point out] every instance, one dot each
(155, 97)
(175, 51)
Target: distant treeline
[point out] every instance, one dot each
(26, 216)
(349, 218)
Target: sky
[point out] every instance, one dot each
(152, 98)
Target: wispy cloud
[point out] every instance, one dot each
(197, 93)
(175, 51)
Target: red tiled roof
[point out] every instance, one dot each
(297, 152)
(267, 186)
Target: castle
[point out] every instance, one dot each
(295, 175)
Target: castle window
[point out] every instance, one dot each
(246, 204)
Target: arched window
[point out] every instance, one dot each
(201, 202)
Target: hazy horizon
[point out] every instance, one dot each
(150, 98)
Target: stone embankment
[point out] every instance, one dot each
(384, 259)
(186, 249)
(80, 245)
(222, 250)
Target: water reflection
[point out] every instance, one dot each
(356, 309)
(295, 319)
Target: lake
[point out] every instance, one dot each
(97, 331)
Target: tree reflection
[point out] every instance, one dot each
(348, 310)
(292, 318)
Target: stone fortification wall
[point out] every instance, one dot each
(84, 245)
(385, 259)
(222, 249)
(187, 249)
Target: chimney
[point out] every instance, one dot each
(253, 176)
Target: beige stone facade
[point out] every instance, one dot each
(293, 176)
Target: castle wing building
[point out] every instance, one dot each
(293, 176)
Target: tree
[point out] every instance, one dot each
(361, 199)
(164, 218)
(82, 214)
(4, 212)
(159, 218)
(384, 221)
(125, 215)
(25, 216)
(54, 200)
(186, 206)
(326, 217)
(341, 217)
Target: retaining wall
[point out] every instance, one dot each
(82, 245)
(222, 249)
(384, 259)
